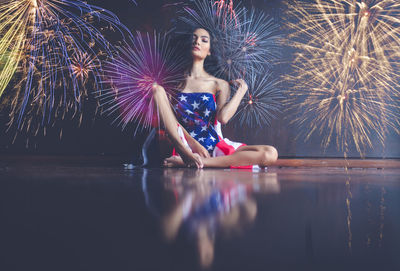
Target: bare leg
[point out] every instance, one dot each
(171, 124)
(261, 155)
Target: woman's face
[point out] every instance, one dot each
(201, 44)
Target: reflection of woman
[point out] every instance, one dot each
(203, 204)
(204, 210)
(202, 105)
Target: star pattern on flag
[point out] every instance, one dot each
(182, 98)
(196, 112)
(205, 98)
(195, 105)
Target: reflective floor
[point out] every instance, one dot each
(55, 217)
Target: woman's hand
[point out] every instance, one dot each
(195, 146)
(241, 85)
(226, 109)
(199, 149)
(193, 161)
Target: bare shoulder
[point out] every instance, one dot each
(220, 84)
(223, 91)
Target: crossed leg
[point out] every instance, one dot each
(170, 123)
(262, 155)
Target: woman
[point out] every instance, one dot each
(204, 91)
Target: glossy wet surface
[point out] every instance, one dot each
(73, 217)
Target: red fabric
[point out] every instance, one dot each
(174, 153)
(225, 148)
(228, 150)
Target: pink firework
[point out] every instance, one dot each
(149, 59)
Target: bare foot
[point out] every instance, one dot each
(190, 159)
(174, 161)
(177, 161)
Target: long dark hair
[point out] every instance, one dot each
(184, 40)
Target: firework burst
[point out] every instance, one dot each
(82, 64)
(262, 101)
(346, 69)
(37, 119)
(55, 49)
(147, 60)
(242, 40)
(249, 47)
(13, 31)
(216, 17)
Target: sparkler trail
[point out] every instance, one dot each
(345, 76)
(148, 59)
(261, 103)
(55, 46)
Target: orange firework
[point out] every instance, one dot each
(345, 78)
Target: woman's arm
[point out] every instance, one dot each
(170, 123)
(195, 145)
(226, 110)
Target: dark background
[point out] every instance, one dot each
(101, 137)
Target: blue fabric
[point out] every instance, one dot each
(196, 112)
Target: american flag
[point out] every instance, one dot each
(196, 112)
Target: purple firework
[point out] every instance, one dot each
(147, 59)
